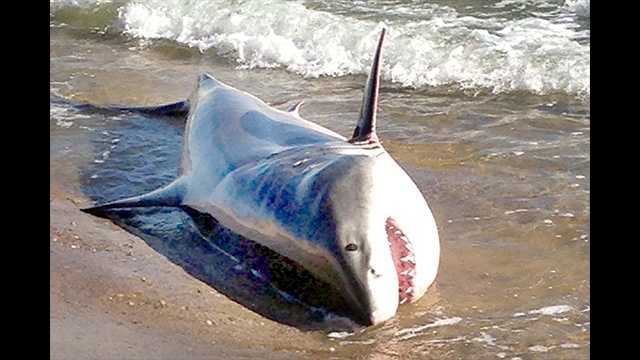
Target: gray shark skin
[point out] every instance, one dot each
(342, 208)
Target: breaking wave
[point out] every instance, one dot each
(426, 45)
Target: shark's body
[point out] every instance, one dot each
(343, 209)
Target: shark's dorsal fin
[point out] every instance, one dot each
(295, 108)
(171, 195)
(365, 131)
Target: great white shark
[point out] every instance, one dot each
(341, 208)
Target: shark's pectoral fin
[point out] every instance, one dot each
(178, 109)
(365, 131)
(171, 195)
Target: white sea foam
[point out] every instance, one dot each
(64, 124)
(552, 310)
(415, 331)
(339, 334)
(439, 48)
(580, 7)
(486, 338)
(55, 4)
(539, 348)
(64, 116)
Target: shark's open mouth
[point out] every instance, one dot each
(403, 259)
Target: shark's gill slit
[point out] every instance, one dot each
(403, 259)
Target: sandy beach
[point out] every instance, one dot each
(113, 297)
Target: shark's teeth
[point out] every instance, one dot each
(403, 258)
(409, 258)
(410, 272)
(407, 243)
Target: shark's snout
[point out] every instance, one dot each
(381, 315)
(383, 276)
(373, 290)
(375, 303)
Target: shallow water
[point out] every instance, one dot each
(505, 170)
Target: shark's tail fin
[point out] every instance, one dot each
(171, 195)
(365, 131)
(180, 108)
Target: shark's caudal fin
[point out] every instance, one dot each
(366, 129)
(170, 195)
(180, 108)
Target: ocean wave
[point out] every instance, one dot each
(56, 4)
(447, 48)
(579, 7)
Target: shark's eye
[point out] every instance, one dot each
(351, 247)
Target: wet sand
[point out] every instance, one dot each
(113, 297)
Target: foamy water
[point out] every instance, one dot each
(509, 45)
(580, 7)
